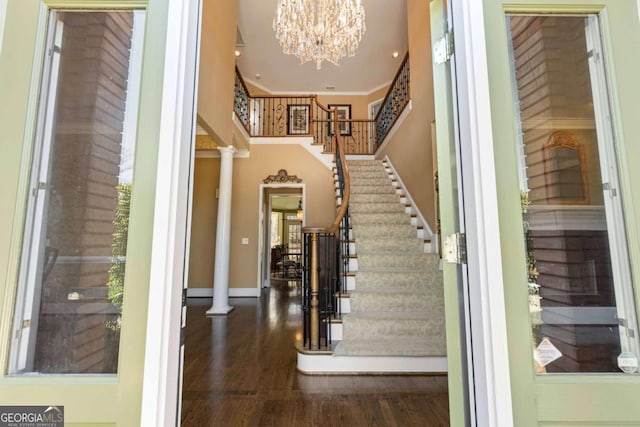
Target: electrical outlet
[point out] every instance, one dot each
(245, 240)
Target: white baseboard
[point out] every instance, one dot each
(200, 292)
(233, 292)
(244, 292)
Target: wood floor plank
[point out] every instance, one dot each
(240, 370)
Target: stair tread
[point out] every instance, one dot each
(387, 315)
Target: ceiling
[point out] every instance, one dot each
(371, 68)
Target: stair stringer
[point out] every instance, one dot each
(421, 221)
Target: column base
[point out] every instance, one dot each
(219, 311)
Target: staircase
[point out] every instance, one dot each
(393, 314)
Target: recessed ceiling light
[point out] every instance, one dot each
(395, 54)
(237, 52)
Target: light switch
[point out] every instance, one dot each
(245, 240)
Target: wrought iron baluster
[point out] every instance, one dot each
(394, 103)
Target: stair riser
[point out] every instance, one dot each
(390, 245)
(336, 331)
(371, 180)
(374, 198)
(371, 189)
(384, 219)
(366, 175)
(394, 207)
(368, 328)
(363, 302)
(366, 164)
(402, 280)
(345, 304)
(351, 283)
(395, 261)
(393, 230)
(379, 218)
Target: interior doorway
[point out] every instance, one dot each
(281, 220)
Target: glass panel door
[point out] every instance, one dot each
(73, 265)
(579, 281)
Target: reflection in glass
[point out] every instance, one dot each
(578, 290)
(71, 288)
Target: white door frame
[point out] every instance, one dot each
(264, 256)
(491, 382)
(161, 392)
(491, 363)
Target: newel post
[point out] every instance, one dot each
(315, 318)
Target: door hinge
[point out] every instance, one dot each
(625, 324)
(455, 248)
(183, 335)
(443, 48)
(608, 187)
(55, 49)
(39, 186)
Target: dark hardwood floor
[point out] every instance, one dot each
(240, 370)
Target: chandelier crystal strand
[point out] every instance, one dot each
(319, 30)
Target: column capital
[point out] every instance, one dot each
(227, 149)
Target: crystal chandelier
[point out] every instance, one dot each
(319, 30)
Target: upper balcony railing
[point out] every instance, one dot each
(394, 103)
(241, 100)
(303, 115)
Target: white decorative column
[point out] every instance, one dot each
(223, 236)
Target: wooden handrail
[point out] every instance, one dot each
(340, 153)
(242, 82)
(326, 109)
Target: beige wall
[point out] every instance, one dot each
(217, 68)
(410, 148)
(359, 104)
(376, 96)
(248, 174)
(203, 222)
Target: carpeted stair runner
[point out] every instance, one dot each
(397, 308)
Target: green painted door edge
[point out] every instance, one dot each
(447, 173)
